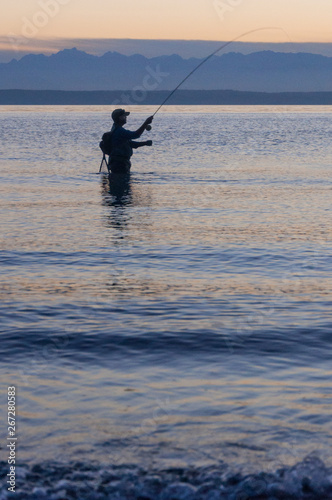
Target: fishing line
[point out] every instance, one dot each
(213, 54)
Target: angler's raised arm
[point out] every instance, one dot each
(144, 126)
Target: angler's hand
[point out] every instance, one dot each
(149, 143)
(148, 120)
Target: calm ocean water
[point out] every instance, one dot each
(170, 335)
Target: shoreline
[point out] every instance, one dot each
(181, 97)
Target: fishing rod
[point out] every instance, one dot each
(209, 57)
(148, 127)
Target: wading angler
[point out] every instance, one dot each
(119, 143)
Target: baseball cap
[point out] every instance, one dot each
(119, 112)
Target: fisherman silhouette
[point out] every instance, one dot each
(121, 142)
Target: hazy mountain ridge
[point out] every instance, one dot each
(265, 71)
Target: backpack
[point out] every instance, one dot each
(106, 143)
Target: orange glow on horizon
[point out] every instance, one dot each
(29, 22)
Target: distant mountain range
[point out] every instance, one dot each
(74, 70)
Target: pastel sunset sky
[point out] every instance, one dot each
(51, 25)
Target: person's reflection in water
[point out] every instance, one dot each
(117, 194)
(116, 190)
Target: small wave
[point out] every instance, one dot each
(91, 347)
(186, 257)
(308, 480)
